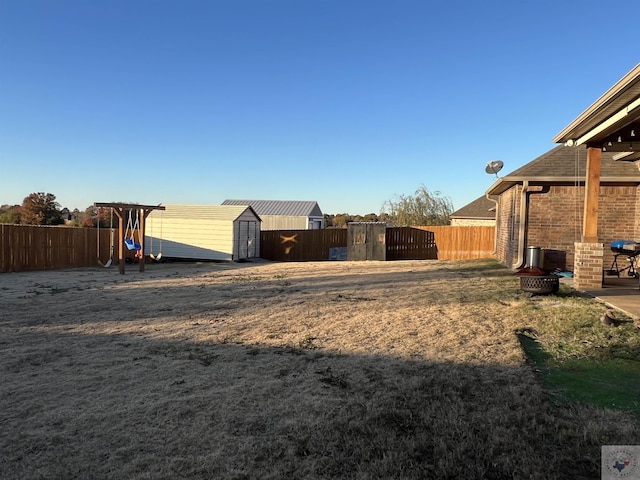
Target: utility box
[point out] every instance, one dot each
(367, 241)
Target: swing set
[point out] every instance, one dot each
(156, 257)
(111, 243)
(132, 234)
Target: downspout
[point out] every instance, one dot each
(495, 199)
(524, 216)
(522, 229)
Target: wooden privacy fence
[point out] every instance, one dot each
(28, 247)
(408, 243)
(301, 245)
(463, 243)
(402, 243)
(35, 247)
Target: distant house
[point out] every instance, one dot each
(542, 205)
(480, 212)
(285, 214)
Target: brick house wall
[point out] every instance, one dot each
(554, 222)
(507, 226)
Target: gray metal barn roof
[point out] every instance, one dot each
(293, 208)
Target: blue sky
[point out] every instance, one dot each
(349, 103)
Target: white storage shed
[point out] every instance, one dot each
(203, 232)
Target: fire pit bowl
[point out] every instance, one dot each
(539, 284)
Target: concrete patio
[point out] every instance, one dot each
(620, 293)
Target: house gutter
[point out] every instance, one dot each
(508, 182)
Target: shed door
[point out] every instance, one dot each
(252, 244)
(247, 244)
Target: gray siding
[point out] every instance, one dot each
(283, 222)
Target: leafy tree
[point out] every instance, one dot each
(10, 214)
(340, 220)
(94, 217)
(105, 217)
(385, 217)
(76, 218)
(421, 208)
(370, 217)
(40, 209)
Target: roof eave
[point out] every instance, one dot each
(596, 114)
(506, 183)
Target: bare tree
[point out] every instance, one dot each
(421, 208)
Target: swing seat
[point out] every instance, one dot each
(156, 257)
(107, 264)
(131, 244)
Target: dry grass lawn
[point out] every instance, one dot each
(355, 370)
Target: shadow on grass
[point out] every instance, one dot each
(603, 382)
(130, 406)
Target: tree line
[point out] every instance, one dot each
(41, 208)
(421, 208)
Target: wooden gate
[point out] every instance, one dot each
(409, 243)
(366, 241)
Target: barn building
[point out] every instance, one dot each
(285, 214)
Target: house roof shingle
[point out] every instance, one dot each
(480, 208)
(563, 165)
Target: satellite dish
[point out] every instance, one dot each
(493, 167)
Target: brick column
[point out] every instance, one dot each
(588, 265)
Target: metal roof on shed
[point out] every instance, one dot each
(296, 208)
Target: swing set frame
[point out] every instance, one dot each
(108, 263)
(121, 210)
(156, 257)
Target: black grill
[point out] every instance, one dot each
(625, 248)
